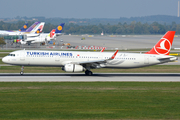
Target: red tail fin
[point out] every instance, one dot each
(164, 44)
(52, 33)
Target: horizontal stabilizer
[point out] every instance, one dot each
(167, 57)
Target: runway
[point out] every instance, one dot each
(96, 77)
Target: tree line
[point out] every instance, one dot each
(118, 29)
(123, 29)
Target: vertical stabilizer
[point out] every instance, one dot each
(164, 44)
(24, 27)
(51, 35)
(32, 27)
(59, 28)
(39, 27)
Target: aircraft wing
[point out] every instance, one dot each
(95, 63)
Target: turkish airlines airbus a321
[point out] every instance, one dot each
(73, 61)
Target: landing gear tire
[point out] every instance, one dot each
(87, 72)
(21, 73)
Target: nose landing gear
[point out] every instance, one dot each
(22, 69)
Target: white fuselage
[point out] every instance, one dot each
(3, 32)
(61, 58)
(36, 38)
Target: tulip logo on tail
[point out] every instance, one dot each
(163, 46)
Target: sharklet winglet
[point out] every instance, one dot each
(114, 55)
(102, 49)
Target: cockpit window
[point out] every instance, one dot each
(11, 55)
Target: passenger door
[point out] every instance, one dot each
(22, 55)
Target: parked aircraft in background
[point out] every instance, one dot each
(32, 29)
(24, 27)
(43, 37)
(38, 38)
(59, 29)
(75, 61)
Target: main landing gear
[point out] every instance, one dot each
(88, 72)
(22, 69)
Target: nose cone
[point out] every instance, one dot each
(5, 59)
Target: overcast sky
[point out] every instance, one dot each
(87, 8)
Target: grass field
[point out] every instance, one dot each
(150, 69)
(89, 100)
(3, 54)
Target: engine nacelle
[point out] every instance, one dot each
(73, 68)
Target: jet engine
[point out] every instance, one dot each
(73, 68)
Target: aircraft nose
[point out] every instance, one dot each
(5, 59)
